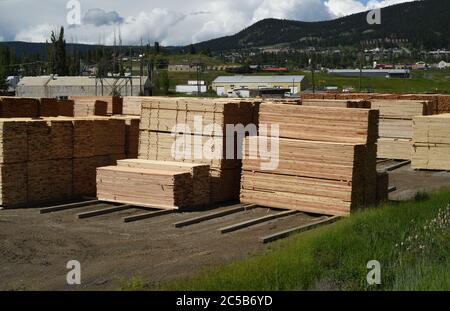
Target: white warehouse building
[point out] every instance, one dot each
(56, 86)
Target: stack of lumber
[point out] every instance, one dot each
(114, 104)
(49, 159)
(431, 142)
(144, 187)
(322, 123)
(158, 138)
(48, 107)
(86, 107)
(327, 160)
(198, 172)
(355, 103)
(318, 177)
(19, 107)
(132, 105)
(396, 125)
(131, 135)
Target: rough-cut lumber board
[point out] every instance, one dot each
(66, 207)
(289, 232)
(219, 214)
(256, 221)
(147, 215)
(104, 211)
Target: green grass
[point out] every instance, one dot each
(410, 240)
(430, 81)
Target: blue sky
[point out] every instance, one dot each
(171, 22)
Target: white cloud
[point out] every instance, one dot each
(339, 8)
(39, 33)
(172, 22)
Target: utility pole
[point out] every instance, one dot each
(311, 63)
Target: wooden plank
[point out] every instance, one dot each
(397, 166)
(68, 206)
(215, 215)
(256, 221)
(286, 233)
(147, 216)
(104, 211)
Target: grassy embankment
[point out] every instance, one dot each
(410, 240)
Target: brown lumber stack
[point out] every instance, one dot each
(48, 107)
(114, 104)
(431, 142)
(45, 160)
(318, 177)
(355, 103)
(199, 174)
(396, 125)
(327, 160)
(19, 107)
(144, 187)
(160, 116)
(132, 105)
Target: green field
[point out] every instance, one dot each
(430, 81)
(410, 240)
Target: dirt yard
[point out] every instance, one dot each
(35, 248)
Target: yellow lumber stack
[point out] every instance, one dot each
(396, 125)
(114, 104)
(87, 107)
(50, 159)
(327, 160)
(431, 142)
(132, 105)
(199, 174)
(195, 117)
(144, 187)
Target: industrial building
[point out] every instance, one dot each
(56, 86)
(372, 73)
(192, 87)
(225, 85)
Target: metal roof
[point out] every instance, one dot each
(34, 81)
(259, 79)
